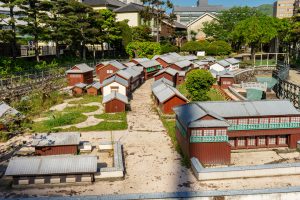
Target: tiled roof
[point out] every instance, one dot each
(48, 165)
(115, 95)
(56, 139)
(115, 79)
(82, 68)
(131, 7)
(114, 3)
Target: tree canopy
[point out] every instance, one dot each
(198, 83)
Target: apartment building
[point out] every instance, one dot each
(283, 8)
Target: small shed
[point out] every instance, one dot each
(225, 79)
(216, 69)
(234, 64)
(115, 102)
(52, 169)
(168, 97)
(167, 73)
(115, 84)
(224, 64)
(105, 70)
(183, 65)
(151, 67)
(94, 89)
(133, 77)
(167, 59)
(56, 143)
(80, 73)
(79, 89)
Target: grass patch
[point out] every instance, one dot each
(112, 116)
(81, 109)
(102, 126)
(215, 95)
(58, 120)
(182, 89)
(4, 136)
(87, 99)
(170, 126)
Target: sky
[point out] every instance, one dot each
(226, 3)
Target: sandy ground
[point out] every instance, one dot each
(152, 164)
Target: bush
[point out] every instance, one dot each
(218, 48)
(198, 84)
(166, 48)
(193, 46)
(143, 49)
(4, 136)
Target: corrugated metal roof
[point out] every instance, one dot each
(217, 67)
(5, 109)
(201, 62)
(82, 68)
(232, 60)
(209, 123)
(139, 60)
(56, 139)
(190, 57)
(161, 81)
(115, 95)
(115, 79)
(183, 63)
(137, 68)
(96, 85)
(114, 63)
(226, 74)
(169, 58)
(130, 64)
(168, 70)
(224, 63)
(181, 73)
(209, 59)
(230, 109)
(50, 165)
(164, 92)
(128, 73)
(149, 63)
(80, 85)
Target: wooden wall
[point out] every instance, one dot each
(56, 150)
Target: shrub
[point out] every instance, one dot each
(218, 48)
(192, 47)
(143, 49)
(166, 48)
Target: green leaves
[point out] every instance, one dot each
(214, 48)
(198, 83)
(143, 49)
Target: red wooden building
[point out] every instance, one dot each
(80, 73)
(167, 97)
(56, 143)
(79, 89)
(209, 130)
(107, 69)
(133, 75)
(151, 67)
(167, 59)
(115, 102)
(225, 80)
(183, 65)
(94, 89)
(167, 73)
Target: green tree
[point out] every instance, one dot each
(194, 46)
(141, 33)
(198, 83)
(218, 48)
(166, 48)
(126, 32)
(143, 49)
(255, 31)
(156, 10)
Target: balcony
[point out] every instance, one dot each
(241, 127)
(218, 138)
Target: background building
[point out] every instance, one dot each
(186, 15)
(283, 8)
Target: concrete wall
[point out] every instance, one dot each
(204, 174)
(197, 26)
(133, 18)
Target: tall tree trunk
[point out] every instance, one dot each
(13, 27)
(36, 48)
(83, 51)
(253, 52)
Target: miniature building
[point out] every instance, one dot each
(167, 73)
(139, 60)
(201, 64)
(107, 69)
(151, 67)
(80, 73)
(234, 64)
(162, 80)
(79, 89)
(225, 79)
(180, 77)
(56, 143)
(209, 59)
(63, 169)
(167, 59)
(115, 102)
(216, 69)
(133, 77)
(183, 65)
(115, 84)
(94, 89)
(209, 130)
(167, 97)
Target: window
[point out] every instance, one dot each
(226, 82)
(253, 121)
(196, 132)
(251, 141)
(272, 140)
(282, 139)
(262, 140)
(221, 132)
(232, 121)
(232, 142)
(284, 119)
(241, 141)
(109, 71)
(75, 75)
(274, 120)
(208, 132)
(114, 88)
(264, 120)
(295, 119)
(243, 121)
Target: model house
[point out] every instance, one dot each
(216, 69)
(139, 60)
(167, 97)
(183, 65)
(115, 102)
(79, 89)
(94, 89)
(234, 63)
(107, 69)
(167, 73)
(80, 73)
(150, 67)
(210, 130)
(167, 59)
(133, 77)
(56, 143)
(115, 84)
(225, 79)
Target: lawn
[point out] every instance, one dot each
(87, 99)
(81, 109)
(112, 116)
